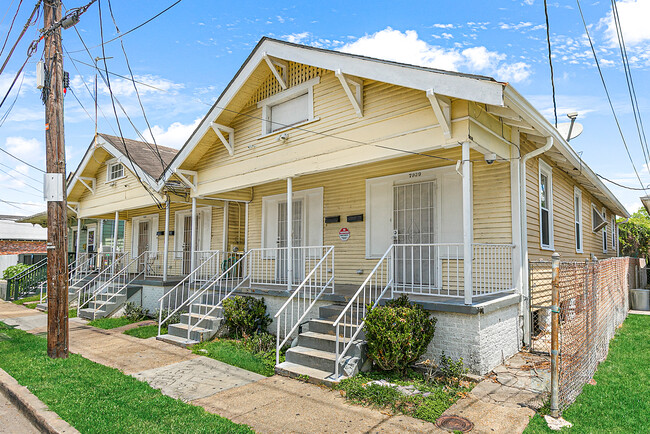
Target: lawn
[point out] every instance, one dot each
(28, 300)
(145, 332)
(619, 400)
(441, 396)
(98, 399)
(110, 323)
(236, 353)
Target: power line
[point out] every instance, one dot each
(11, 27)
(133, 29)
(20, 180)
(30, 22)
(611, 105)
(620, 185)
(550, 60)
(23, 174)
(21, 160)
(7, 12)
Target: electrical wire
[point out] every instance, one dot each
(133, 29)
(620, 185)
(7, 12)
(11, 27)
(550, 60)
(21, 160)
(30, 22)
(20, 180)
(611, 105)
(40, 181)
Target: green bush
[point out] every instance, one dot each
(260, 343)
(174, 319)
(398, 334)
(14, 270)
(245, 315)
(135, 312)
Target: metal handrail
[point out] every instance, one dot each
(97, 279)
(103, 273)
(341, 353)
(211, 284)
(294, 295)
(31, 273)
(123, 272)
(187, 281)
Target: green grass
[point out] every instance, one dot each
(110, 323)
(29, 299)
(618, 403)
(234, 353)
(145, 332)
(95, 398)
(389, 398)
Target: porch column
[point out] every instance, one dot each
(467, 223)
(166, 246)
(246, 228)
(224, 239)
(115, 232)
(289, 233)
(193, 241)
(78, 249)
(515, 212)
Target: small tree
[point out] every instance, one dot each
(634, 235)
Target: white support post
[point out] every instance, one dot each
(78, 249)
(193, 241)
(515, 213)
(246, 228)
(166, 246)
(289, 233)
(224, 240)
(116, 225)
(467, 223)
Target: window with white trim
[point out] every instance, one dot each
(114, 170)
(577, 212)
(545, 205)
(288, 108)
(604, 231)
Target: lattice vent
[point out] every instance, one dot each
(298, 73)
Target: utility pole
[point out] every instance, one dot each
(54, 188)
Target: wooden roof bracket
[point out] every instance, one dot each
(183, 174)
(230, 143)
(353, 88)
(441, 106)
(273, 66)
(74, 207)
(93, 183)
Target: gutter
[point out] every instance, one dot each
(523, 207)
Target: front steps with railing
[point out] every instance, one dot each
(108, 301)
(203, 320)
(314, 354)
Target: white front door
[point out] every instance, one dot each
(90, 243)
(414, 229)
(297, 254)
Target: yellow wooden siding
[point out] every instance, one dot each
(563, 216)
(344, 193)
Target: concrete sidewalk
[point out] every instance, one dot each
(273, 405)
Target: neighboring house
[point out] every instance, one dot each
(20, 242)
(390, 178)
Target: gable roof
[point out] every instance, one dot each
(146, 160)
(485, 90)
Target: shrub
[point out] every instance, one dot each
(260, 343)
(174, 319)
(245, 315)
(398, 334)
(14, 270)
(135, 312)
(452, 371)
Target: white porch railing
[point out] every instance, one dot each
(270, 266)
(77, 271)
(180, 295)
(179, 263)
(117, 284)
(220, 288)
(350, 322)
(101, 278)
(302, 300)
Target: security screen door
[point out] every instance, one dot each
(297, 254)
(143, 241)
(413, 226)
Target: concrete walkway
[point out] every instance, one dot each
(12, 421)
(270, 405)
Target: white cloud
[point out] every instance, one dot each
(634, 16)
(407, 47)
(297, 38)
(174, 136)
(443, 26)
(515, 26)
(147, 84)
(30, 150)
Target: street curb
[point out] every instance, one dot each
(33, 408)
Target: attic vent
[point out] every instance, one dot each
(298, 73)
(597, 220)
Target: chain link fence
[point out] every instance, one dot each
(593, 304)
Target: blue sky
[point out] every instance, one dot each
(191, 52)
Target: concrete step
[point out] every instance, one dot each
(333, 311)
(311, 358)
(202, 309)
(311, 375)
(176, 340)
(209, 322)
(105, 306)
(89, 313)
(321, 341)
(326, 326)
(199, 334)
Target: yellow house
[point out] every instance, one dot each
(328, 182)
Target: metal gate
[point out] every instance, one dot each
(539, 281)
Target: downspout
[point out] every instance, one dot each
(524, 235)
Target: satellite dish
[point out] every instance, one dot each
(564, 128)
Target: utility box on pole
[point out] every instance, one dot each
(57, 239)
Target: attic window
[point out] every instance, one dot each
(288, 108)
(115, 170)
